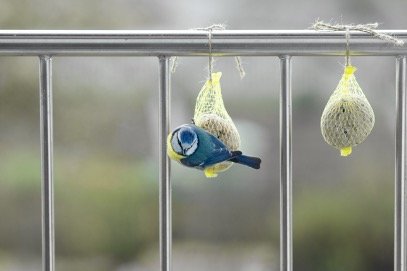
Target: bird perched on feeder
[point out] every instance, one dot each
(194, 147)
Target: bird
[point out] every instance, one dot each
(194, 147)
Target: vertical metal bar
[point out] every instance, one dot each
(48, 241)
(164, 164)
(286, 259)
(400, 175)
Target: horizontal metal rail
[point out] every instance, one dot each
(193, 43)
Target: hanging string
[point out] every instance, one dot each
(347, 37)
(174, 63)
(239, 66)
(209, 29)
(210, 57)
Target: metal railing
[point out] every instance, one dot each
(165, 44)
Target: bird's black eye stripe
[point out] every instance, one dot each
(186, 149)
(180, 144)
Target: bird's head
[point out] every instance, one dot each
(183, 142)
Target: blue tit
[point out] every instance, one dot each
(195, 147)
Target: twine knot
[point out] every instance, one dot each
(370, 28)
(209, 29)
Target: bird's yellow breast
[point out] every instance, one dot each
(212, 171)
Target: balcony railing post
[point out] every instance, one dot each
(48, 242)
(286, 259)
(164, 164)
(400, 222)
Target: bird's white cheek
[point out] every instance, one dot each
(175, 146)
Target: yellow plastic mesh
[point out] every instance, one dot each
(211, 115)
(348, 118)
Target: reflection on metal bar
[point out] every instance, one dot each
(164, 164)
(286, 259)
(193, 43)
(48, 242)
(400, 225)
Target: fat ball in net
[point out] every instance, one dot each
(211, 115)
(348, 118)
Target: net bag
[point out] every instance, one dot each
(348, 118)
(211, 115)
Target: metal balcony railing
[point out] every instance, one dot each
(165, 44)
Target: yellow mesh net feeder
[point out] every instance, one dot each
(211, 115)
(348, 118)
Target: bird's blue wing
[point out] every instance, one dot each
(219, 156)
(205, 159)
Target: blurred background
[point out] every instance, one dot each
(106, 155)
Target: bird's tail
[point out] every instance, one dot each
(253, 162)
